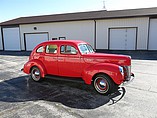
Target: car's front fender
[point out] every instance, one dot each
(32, 63)
(112, 70)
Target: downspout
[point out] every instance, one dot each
(94, 34)
(2, 38)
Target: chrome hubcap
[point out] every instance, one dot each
(101, 85)
(35, 74)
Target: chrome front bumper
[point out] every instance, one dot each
(129, 80)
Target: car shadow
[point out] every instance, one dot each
(70, 94)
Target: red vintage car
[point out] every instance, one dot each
(76, 60)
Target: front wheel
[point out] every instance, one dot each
(103, 84)
(35, 74)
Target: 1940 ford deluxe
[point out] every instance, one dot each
(76, 60)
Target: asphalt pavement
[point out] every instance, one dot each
(20, 97)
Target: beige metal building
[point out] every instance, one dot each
(134, 29)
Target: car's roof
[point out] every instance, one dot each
(63, 41)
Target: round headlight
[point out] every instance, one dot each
(121, 70)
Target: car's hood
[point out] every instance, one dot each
(122, 60)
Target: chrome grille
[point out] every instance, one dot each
(127, 72)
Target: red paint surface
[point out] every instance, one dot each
(81, 65)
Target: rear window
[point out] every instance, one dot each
(40, 49)
(51, 49)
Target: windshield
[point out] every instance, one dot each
(85, 48)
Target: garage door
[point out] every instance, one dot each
(153, 35)
(11, 38)
(33, 40)
(122, 39)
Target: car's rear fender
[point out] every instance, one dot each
(112, 70)
(30, 64)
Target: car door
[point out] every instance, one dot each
(69, 61)
(51, 59)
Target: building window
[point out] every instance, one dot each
(54, 38)
(51, 49)
(62, 38)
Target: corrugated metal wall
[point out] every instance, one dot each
(85, 30)
(77, 30)
(153, 35)
(103, 26)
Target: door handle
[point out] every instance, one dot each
(55, 58)
(60, 59)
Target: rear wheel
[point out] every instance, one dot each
(104, 85)
(35, 74)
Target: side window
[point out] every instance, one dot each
(67, 49)
(40, 49)
(51, 49)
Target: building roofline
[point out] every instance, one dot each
(78, 16)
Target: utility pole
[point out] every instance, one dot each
(104, 6)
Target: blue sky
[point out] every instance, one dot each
(10, 9)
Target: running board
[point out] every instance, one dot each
(69, 79)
